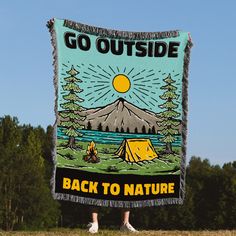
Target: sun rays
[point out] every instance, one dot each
(104, 84)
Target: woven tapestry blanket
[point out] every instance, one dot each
(121, 115)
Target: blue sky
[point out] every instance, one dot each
(26, 62)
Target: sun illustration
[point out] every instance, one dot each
(106, 84)
(121, 83)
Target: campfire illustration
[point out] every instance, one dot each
(92, 154)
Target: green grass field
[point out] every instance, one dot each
(113, 164)
(78, 232)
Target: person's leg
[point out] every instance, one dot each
(93, 226)
(125, 216)
(94, 214)
(125, 225)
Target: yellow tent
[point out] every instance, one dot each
(135, 150)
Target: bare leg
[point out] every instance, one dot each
(94, 214)
(93, 227)
(125, 216)
(125, 225)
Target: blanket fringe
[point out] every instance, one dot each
(185, 117)
(118, 204)
(119, 34)
(50, 25)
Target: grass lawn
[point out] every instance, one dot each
(113, 164)
(79, 232)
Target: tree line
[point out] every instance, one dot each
(122, 130)
(26, 202)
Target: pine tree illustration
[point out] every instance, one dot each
(72, 108)
(169, 124)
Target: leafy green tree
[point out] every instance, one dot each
(226, 215)
(26, 201)
(47, 149)
(206, 185)
(10, 139)
(72, 108)
(34, 188)
(169, 124)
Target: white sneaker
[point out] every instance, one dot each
(127, 227)
(93, 228)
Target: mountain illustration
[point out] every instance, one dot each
(121, 116)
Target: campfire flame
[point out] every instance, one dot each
(92, 149)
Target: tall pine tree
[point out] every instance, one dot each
(169, 124)
(72, 108)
